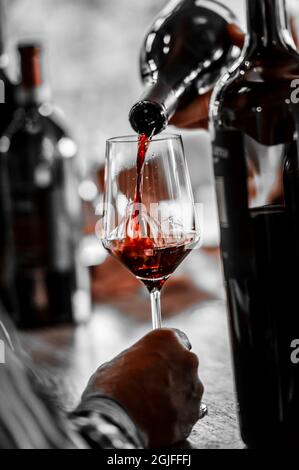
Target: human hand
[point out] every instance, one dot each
(196, 114)
(156, 381)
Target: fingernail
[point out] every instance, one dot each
(183, 339)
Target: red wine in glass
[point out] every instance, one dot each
(143, 145)
(148, 261)
(142, 148)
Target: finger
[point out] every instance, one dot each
(169, 340)
(194, 412)
(203, 125)
(236, 34)
(198, 125)
(195, 112)
(193, 363)
(200, 390)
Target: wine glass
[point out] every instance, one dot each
(148, 221)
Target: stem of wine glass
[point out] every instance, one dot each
(156, 309)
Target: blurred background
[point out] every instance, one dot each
(92, 59)
(92, 53)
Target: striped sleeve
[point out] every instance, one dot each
(29, 419)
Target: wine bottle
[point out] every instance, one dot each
(7, 101)
(291, 187)
(7, 88)
(182, 56)
(7, 258)
(253, 131)
(45, 205)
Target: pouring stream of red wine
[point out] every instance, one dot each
(143, 145)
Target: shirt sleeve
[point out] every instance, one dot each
(105, 424)
(30, 420)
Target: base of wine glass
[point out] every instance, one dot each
(203, 411)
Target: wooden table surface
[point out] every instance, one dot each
(68, 356)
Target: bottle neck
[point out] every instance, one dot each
(151, 114)
(32, 90)
(267, 22)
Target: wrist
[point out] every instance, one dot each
(113, 412)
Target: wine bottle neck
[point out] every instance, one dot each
(151, 114)
(32, 89)
(267, 20)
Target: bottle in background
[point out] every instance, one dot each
(257, 181)
(51, 285)
(7, 107)
(7, 88)
(182, 56)
(7, 258)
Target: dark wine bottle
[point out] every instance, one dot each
(254, 133)
(45, 206)
(7, 88)
(291, 194)
(7, 101)
(182, 56)
(7, 258)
